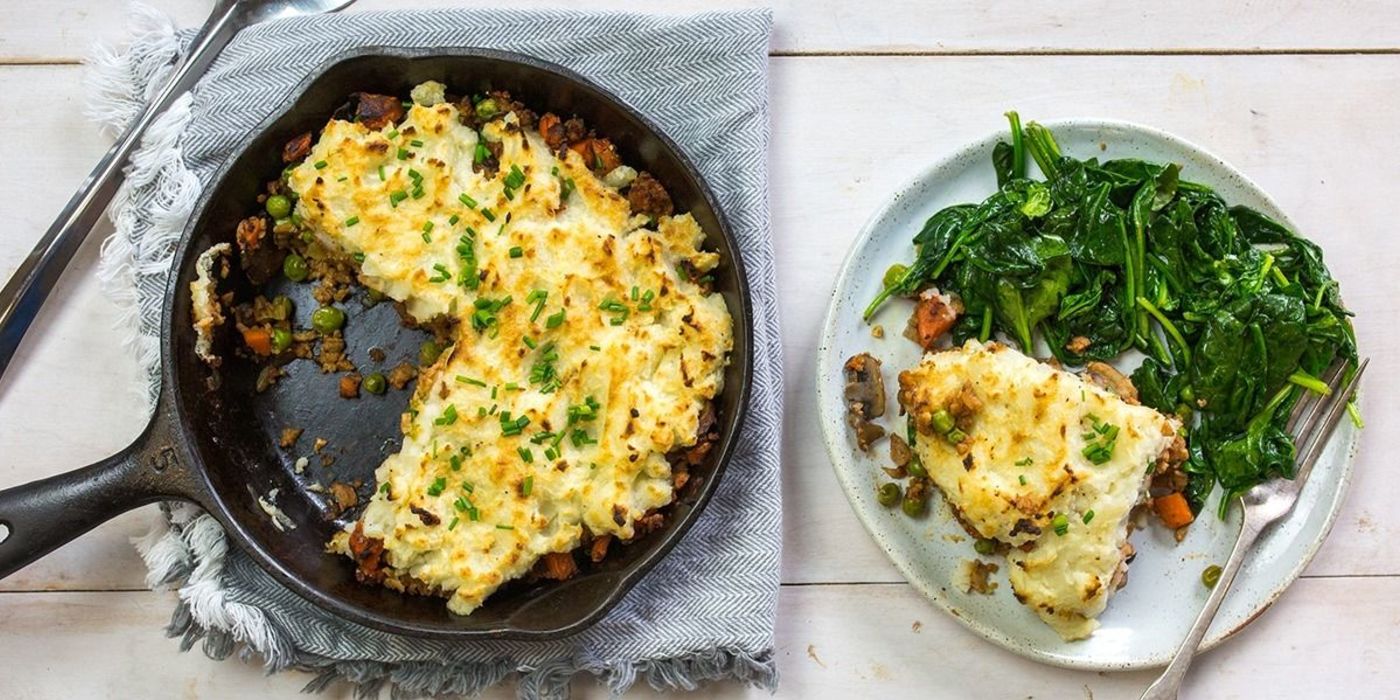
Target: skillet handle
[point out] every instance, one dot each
(38, 517)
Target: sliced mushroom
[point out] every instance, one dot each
(1104, 375)
(865, 398)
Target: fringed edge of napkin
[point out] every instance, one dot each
(221, 627)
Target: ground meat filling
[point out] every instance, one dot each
(647, 196)
(297, 148)
(377, 111)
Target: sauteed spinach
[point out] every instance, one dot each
(1237, 315)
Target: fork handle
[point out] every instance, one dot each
(1169, 683)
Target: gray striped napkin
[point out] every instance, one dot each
(706, 611)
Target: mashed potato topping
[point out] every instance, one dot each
(585, 349)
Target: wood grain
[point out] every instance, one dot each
(841, 641)
(64, 30)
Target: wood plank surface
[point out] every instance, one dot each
(1324, 639)
(64, 30)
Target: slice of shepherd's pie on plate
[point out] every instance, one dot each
(1044, 463)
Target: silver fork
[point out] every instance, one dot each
(1312, 423)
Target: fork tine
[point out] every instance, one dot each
(1316, 438)
(1311, 406)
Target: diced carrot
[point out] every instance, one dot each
(557, 566)
(1174, 510)
(259, 340)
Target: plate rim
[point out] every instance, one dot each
(833, 436)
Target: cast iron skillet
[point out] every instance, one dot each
(218, 446)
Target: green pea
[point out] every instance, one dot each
(1210, 576)
(374, 383)
(281, 339)
(278, 206)
(428, 352)
(327, 319)
(915, 467)
(888, 495)
(295, 268)
(956, 436)
(912, 507)
(895, 274)
(985, 546)
(943, 421)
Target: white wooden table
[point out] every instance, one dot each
(1304, 99)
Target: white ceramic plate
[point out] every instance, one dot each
(1148, 618)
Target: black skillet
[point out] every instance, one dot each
(218, 446)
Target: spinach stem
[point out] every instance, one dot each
(1167, 326)
(875, 303)
(1018, 147)
(986, 332)
(1043, 149)
(1355, 414)
(1279, 277)
(1309, 382)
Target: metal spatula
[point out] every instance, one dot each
(39, 272)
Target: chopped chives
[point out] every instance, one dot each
(490, 215)
(427, 238)
(493, 395)
(384, 488)
(635, 292)
(343, 178)
(397, 196)
(1060, 523)
(381, 174)
(448, 417)
(319, 165)
(525, 453)
(416, 143)
(467, 200)
(1088, 516)
(442, 273)
(594, 348)
(550, 454)
(352, 221)
(427, 226)
(439, 484)
(529, 342)
(1023, 479)
(500, 526)
(469, 380)
(403, 154)
(517, 252)
(555, 320)
(452, 523)
(515, 179)
(512, 386)
(359, 257)
(452, 220)
(528, 484)
(393, 133)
